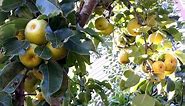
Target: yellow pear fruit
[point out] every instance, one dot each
(123, 57)
(30, 58)
(35, 31)
(133, 27)
(108, 30)
(161, 76)
(57, 53)
(101, 23)
(158, 67)
(170, 63)
(155, 38)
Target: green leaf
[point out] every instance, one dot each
(122, 85)
(15, 47)
(10, 74)
(170, 85)
(20, 23)
(5, 99)
(14, 83)
(43, 52)
(71, 18)
(128, 73)
(8, 5)
(94, 34)
(3, 16)
(181, 56)
(74, 44)
(6, 32)
(132, 80)
(28, 100)
(80, 67)
(143, 100)
(24, 12)
(175, 33)
(48, 8)
(67, 7)
(53, 78)
(58, 36)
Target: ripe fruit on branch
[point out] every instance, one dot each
(101, 23)
(155, 38)
(158, 67)
(57, 53)
(170, 63)
(123, 57)
(108, 30)
(30, 59)
(35, 31)
(133, 27)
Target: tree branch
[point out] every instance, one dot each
(86, 11)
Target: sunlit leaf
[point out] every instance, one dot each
(143, 100)
(47, 8)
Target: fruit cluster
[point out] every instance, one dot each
(35, 34)
(104, 26)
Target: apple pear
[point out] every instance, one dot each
(155, 38)
(170, 63)
(29, 58)
(108, 30)
(57, 53)
(35, 31)
(158, 67)
(101, 23)
(123, 57)
(133, 27)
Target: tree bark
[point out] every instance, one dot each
(19, 95)
(86, 11)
